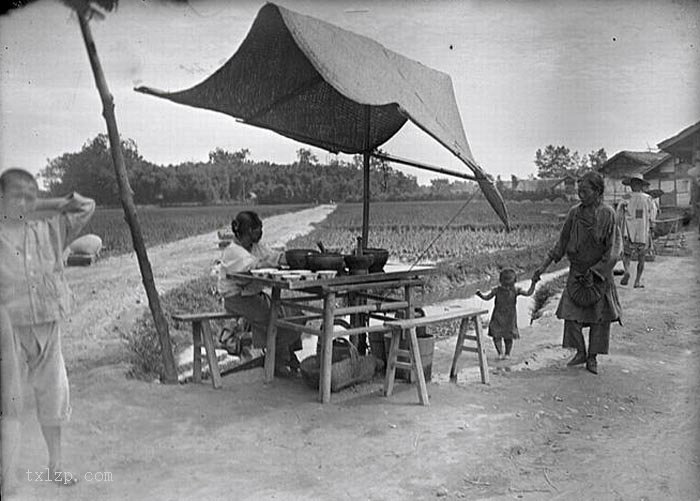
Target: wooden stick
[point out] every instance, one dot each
(197, 345)
(365, 178)
(271, 336)
(420, 165)
(169, 375)
(327, 347)
(368, 308)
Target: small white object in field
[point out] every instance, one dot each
(89, 245)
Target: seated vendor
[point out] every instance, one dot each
(246, 299)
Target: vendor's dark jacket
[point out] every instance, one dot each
(591, 240)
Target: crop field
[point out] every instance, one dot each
(161, 225)
(406, 229)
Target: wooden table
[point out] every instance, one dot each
(364, 301)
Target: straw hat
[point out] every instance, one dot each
(628, 180)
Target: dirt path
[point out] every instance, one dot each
(110, 293)
(539, 431)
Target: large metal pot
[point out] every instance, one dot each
(297, 259)
(381, 256)
(326, 262)
(359, 265)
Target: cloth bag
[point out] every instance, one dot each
(586, 289)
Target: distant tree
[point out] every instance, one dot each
(90, 172)
(305, 157)
(555, 161)
(558, 161)
(220, 156)
(440, 186)
(596, 159)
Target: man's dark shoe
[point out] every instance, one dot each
(578, 359)
(592, 365)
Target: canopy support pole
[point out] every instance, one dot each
(365, 180)
(419, 165)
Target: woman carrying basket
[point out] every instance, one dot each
(591, 240)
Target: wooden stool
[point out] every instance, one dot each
(201, 331)
(410, 324)
(478, 349)
(415, 363)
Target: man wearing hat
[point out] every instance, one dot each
(637, 216)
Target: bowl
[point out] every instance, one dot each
(327, 274)
(297, 259)
(359, 265)
(381, 256)
(262, 272)
(326, 262)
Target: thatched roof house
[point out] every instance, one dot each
(652, 165)
(685, 148)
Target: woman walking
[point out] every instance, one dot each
(591, 240)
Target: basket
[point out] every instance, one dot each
(346, 372)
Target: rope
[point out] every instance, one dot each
(444, 228)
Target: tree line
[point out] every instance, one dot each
(233, 177)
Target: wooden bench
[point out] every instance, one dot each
(202, 331)
(400, 326)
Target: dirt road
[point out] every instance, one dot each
(539, 431)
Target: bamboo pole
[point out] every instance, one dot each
(420, 165)
(365, 180)
(126, 195)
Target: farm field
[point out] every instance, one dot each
(406, 229)
(161, 225)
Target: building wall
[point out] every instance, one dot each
(672, 178)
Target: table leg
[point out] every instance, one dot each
(463, 326)
(483, 364)
(272, 336)
(327, 347)
(211, 354)
(197, 345)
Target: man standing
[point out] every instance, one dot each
(637, 216)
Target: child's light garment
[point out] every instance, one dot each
(34, 298)
(32, 286)
(504, 319)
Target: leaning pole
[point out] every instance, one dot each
(126, 195)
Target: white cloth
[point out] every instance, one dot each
(638, 212)
(236, 259)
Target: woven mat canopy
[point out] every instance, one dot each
(324, 86)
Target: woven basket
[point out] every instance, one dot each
(344, 373)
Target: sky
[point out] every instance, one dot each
(586, 74)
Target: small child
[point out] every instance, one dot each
(504, 319)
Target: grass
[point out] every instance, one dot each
(142, 342)
(545, 293)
